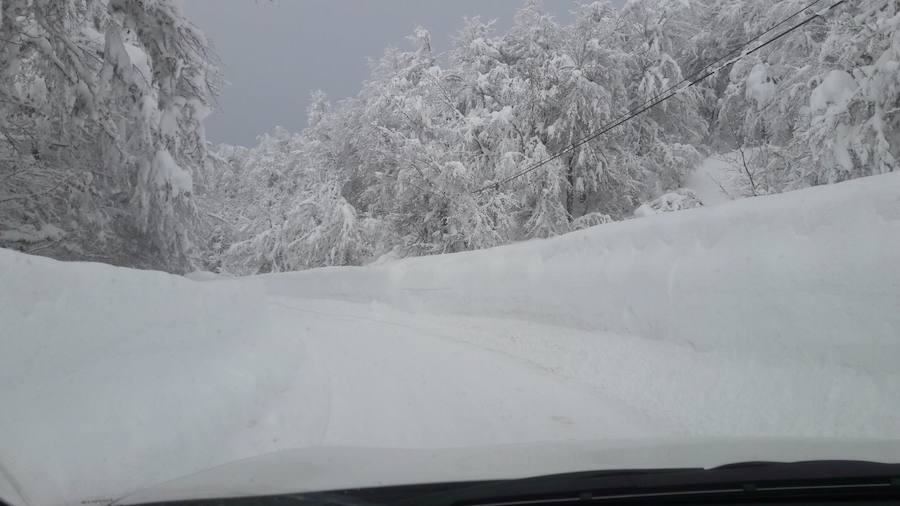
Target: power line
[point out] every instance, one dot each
(744, 44)
(692, 77)
(672, 90)
(662, 97)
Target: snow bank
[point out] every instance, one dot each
(204, 276)
(112, 378)
(678, 200)
(810, 275)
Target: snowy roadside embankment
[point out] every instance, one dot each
(114, 378)
(811, 274)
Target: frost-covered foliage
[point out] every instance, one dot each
(820, 106)
(277, 207)
(398, 166)
(677, 200)
(102, 152)
(101, 110)
(590, 220)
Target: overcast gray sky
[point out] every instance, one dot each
(276, 53)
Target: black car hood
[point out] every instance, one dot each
(323, 469)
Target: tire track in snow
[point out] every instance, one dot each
(600, 397)
(314, 381)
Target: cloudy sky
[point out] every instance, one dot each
(276, 53)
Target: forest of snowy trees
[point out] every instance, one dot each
(103, 155)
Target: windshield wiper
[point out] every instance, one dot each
(743, 483)
(770, 481)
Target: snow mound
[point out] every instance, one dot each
(677, 200)
(591, 220)
(113, 378)
(204, 276)
(809, 275)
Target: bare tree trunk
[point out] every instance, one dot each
(747, 171)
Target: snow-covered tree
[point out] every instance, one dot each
(101, 110)
(819, 106)
(422, 160)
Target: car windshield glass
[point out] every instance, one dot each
(278, 247)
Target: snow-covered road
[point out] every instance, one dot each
(393, 380)
(775, 316)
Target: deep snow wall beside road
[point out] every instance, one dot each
(812, 273)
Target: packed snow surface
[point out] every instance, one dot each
(774, 316)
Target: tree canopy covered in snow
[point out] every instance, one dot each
(101, 129)
(822, 104)
(396, 169)
(102, 151)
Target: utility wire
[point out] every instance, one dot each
(692, 78)
(744, 44)
(673, 90)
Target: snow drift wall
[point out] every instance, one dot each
(113, 378)
(810, 273)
